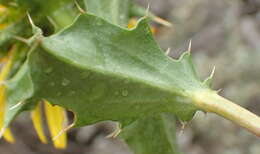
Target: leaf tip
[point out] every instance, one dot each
(64, 130)
(209, 81)
(116, 132)
(30, 19)
(82, 11)
(6, 133)
(189, 47)
(16, 105)
(162, 21)
(147, 10)
(36, 30)
(168, 51)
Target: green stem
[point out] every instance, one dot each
(212, 102)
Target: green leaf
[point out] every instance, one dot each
(16, 21)
(13, 19)
(10, 31)
(42, 7)
(138, 134)
(154, 134)
(19, 90)
(114, 11)
(103, 72)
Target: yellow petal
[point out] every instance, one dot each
(8, 64)
(3, 12)
(7, 133)
(3, 26)
(36, 116)
(2, 8)
(57, 122)
(3, 75)
(8, 136)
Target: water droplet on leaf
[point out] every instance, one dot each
(125, 93)
(97, 92)
(65, 82)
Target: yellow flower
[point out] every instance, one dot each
(3, 11)
(7, 62)
(36, 116)
(57, 123)
(3, 26)
(55, 115)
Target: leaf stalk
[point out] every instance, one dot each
(211, 102)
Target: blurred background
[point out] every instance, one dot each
(225, 34)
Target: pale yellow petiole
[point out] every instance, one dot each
(210, 101)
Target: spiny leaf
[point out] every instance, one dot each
(18, 89)
(114, 73)
(114, 11)
(136, 10)
(38, 6)
(137, 141)
(104, 72)
(154, 134)
(141, 73)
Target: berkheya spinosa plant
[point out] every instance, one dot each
(90, 57)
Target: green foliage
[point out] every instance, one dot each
(80, 66)
(139, 135)
(115, 11)
(100, 70)
(37, 6)
(23, 86)
(152, 135)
